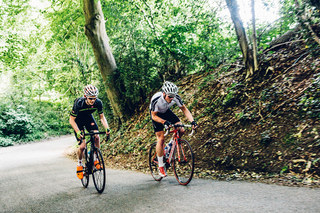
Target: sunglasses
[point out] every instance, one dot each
(92, 99)
(171, 96)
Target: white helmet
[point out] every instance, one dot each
(91, 90)
(170, 88)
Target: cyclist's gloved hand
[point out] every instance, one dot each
(108, 131)
(79, 134)
(167, 124)
(194, 125)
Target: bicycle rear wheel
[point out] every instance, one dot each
(85, 179)
(183, 163)
(99, 174)
(153, 162)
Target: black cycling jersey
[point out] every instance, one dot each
(82, 110)
(83, 114)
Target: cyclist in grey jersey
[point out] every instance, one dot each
(162, 117)
(159, 104)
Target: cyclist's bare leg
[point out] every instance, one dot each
(80, 150)
(80, 156)
(160, 143)
(160, 153)
(96, 140)
(181, 130)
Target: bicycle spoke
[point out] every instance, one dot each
(85, 179)
(153, 162)
(99, 175)
(183, 163)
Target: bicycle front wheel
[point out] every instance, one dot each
(99, 173)
(183, 162)
(85, 179)
(153, 162)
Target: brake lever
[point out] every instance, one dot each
(191, 132)
(167, 132)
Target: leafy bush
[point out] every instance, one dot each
(15, 123)
(5, 141)
(310, 101)
(32, 122)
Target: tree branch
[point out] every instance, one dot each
(281, 45)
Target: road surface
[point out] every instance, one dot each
(37, 177)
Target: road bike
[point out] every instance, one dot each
(180, 158)
(98, 171)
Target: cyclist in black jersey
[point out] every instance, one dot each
(81, 116)
(162, 117)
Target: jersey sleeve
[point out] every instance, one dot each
(100, 107)
(178, 100)
(154, 104)
(75, 109)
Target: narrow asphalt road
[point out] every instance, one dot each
(38, 178)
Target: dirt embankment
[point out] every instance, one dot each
(265, 129)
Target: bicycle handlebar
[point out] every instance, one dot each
(179, 125)
(94, 133)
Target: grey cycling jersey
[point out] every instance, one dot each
(159, 104)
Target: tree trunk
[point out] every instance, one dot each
(242, 36)
(254, 37)
(96, 33)
(286, 36)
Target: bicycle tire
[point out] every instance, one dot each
(183, 162)
(153, 162)
(85, 179)
(99, 175)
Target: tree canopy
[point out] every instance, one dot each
(46, 58)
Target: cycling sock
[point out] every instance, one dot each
(95, 157)
(79, 162)
(160, 160)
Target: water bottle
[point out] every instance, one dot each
(168, 148)
(166, 152)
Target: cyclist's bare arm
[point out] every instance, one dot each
(187, 113)
(73, 123)
(104, 121)
(156, 118)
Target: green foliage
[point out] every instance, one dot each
(230, 98)
(15, 123)
(5, 142)
(141, 125)
(284, 169)
(266, 32)
(22, 124)
(310, 101)
(239, 115)
(289, 139)
(13, 23)
(171, 39)
(47, 56)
